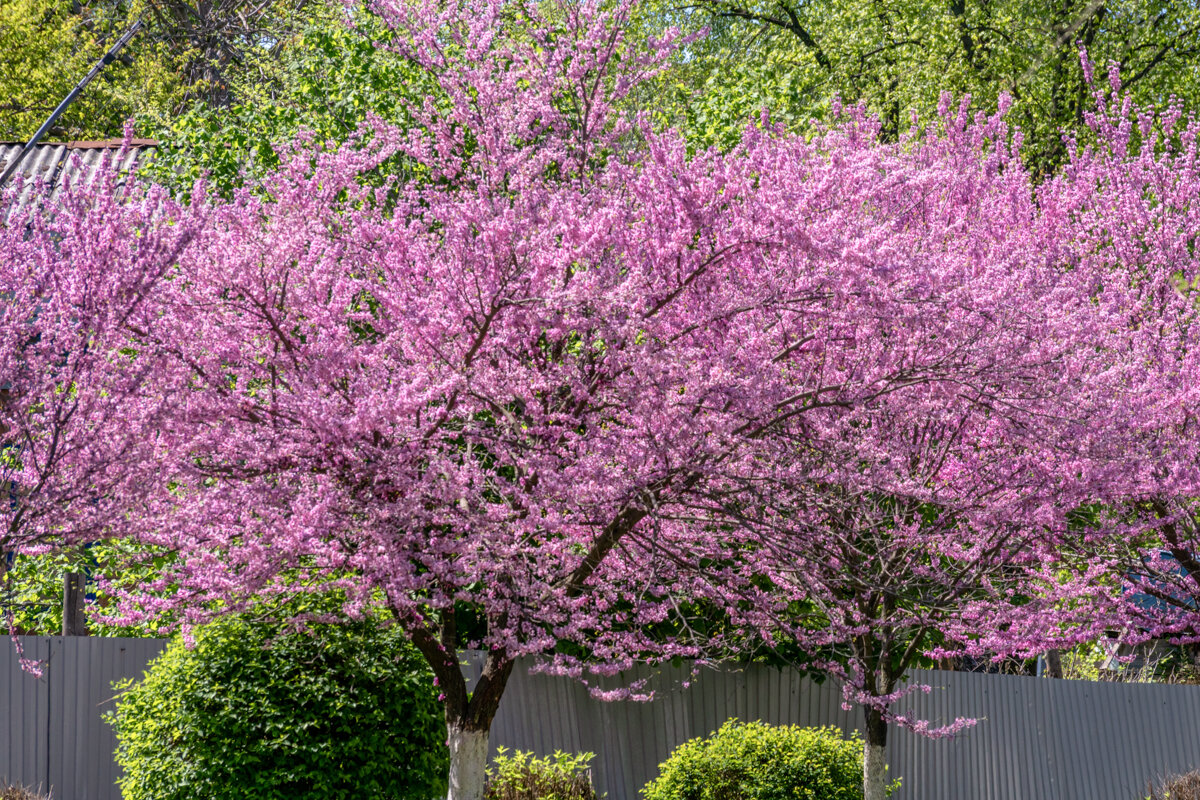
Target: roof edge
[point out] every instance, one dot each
(96, 144)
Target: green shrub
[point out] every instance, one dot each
(253, 713)
(520, 776)
(754, 761)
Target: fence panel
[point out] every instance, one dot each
(52, 733)
(1037, 739)
(24, 715)
(81, 762)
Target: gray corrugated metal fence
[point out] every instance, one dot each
(1038, 739)
(52, 733)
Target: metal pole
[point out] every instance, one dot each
(101, 64)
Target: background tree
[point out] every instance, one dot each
(47, 46)
(215, 44)
(897, 57)
(185, 54)
(320, 85)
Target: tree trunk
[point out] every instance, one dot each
(469, 721)
(468, 760)
(469, 715)
(875, 756)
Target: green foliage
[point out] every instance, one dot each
(792, 56)
(321, 85)
(47, 46)
(32, 592)
(725, 81)
(32, 587)
(1156, 662)
(755, 761)
(521, 776)
(254, 713)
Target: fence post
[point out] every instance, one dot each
(74, 623)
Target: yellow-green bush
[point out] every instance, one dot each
(522, 776)
(755, 761)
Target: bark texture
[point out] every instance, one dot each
(875, 757)
(468, 760)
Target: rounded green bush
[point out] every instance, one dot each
(253, 713)
(754, 761)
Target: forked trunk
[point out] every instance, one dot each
(468, 760)
(875, 757)
(469, 715)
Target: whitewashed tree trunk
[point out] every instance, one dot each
(875, 756)
(468, 760)
(874, 771)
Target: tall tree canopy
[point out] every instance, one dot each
(47, 46)
(897, 56)
(185, 53)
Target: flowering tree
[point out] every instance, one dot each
(75, 406)
(926, 540)
(1132, 197)
(997, 506)
(485, 398)
(931, 520)
(518, 400)
(463, 395)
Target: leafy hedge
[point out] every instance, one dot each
(754, 761)
(253, 713)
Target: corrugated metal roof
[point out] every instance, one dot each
(58, 163)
